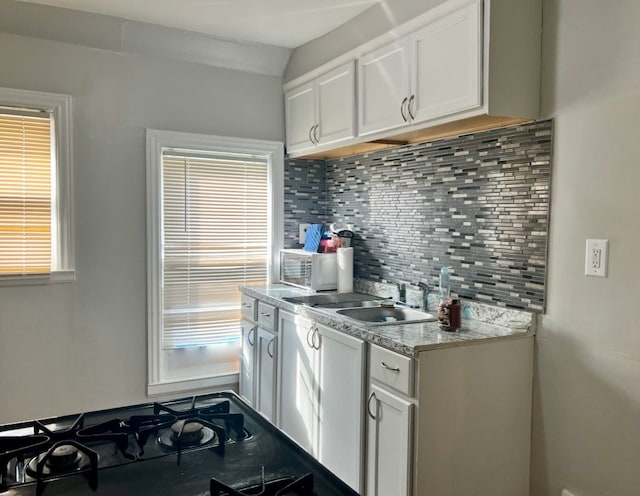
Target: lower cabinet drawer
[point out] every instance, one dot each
(267, 316)
(392, 369)
(249, 308)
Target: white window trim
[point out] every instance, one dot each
(158, 140)
(59, 105)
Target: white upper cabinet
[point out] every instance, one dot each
(321, 111)
(336, 105)
(300, 110)
(446, 71)
(429, 74)
(462, 66)
(383, 88)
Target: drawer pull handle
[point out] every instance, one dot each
(246, 305)
(269, 352)
(392, 369)
(265, 314)
(371, 396)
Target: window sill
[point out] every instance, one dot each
(61, 276)
(190, 385)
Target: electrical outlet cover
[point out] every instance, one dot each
(595, 259)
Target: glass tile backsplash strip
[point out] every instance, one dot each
(478, 203)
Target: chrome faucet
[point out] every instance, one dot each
(426, 289)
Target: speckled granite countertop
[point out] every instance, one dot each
(480, 323)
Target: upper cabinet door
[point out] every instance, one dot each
(300, 110)
(383, 88)
(446, 57)
(336, 105)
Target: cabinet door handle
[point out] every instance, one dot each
(270, 353)
(404, 102)
(392, 369)
(316, 133)
(309, 341)
(252, 330)
(310, 138)
(313, 338)
(371, 397)
(411, 100)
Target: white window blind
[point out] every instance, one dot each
(215, 232)
(25, 193)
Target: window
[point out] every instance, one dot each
(35, 187)
(214, 223)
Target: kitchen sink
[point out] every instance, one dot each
(334, 300)
(387, 315)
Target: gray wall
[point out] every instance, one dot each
(79, 346)
(587, 382)
(373, 22)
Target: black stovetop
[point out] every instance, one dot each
(141, 451)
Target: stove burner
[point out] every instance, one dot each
(187, 433)
(64, 457)
(278, 487)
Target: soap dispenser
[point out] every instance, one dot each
(445, 287)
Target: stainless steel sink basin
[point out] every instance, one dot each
(334, 300)
(387, 315)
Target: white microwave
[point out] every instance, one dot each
(304, 269)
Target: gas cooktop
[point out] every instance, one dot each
(212, 444)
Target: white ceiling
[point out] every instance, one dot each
(287, 23)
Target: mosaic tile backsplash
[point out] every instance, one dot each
(478, 203)
(305, 196)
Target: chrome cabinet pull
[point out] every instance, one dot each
(265, 314)
(371, 396)
(270, 353)
(392, 369)
(313, 339)
(404, 117)
(310, 138)
(411, 100)
(252, 330)
(246, 305)
(309, 341)
(316, 133)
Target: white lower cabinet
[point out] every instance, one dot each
(265, 377)
(258, 360)
(297, 401)
(320, 394)
(248, 332)
(452, 421)
(340, 372)
(388, 443)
